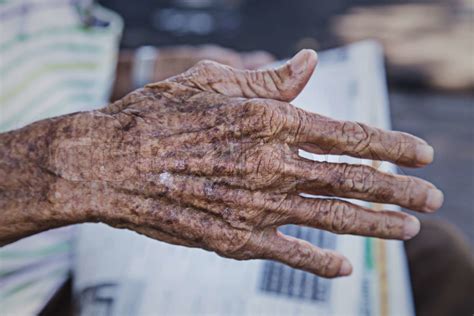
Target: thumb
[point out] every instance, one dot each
(283, 83)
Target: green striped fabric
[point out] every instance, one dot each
(50, 64)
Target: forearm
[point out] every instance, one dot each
(27, 181)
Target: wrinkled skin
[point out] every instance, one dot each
(209, 159)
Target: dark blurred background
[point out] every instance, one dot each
(429, 49)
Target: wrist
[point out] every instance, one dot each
(30, 180)
(74, 158)
(86, 155)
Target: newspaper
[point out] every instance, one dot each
(118, 272)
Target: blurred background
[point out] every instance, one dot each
(429, 48)
(429, 58)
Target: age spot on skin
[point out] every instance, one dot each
(166, 179)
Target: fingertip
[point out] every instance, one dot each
(424, 154)
(304, 62)
(411, 227)
(345, 269)
(434, 200)
(310, 54)
(296, 73)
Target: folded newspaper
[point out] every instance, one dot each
(118, 272)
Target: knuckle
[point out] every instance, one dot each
(395, 149)
(245, 217)
(326, 263)
(383, 188)
(342, 217)
(296, 121)
(276, 210)
(234, 243)
(301, 255)
(279, 203)
(291, 120)
(357, 136)
(263, 118)
(271, 163)
(202, 69)
(406, 189)
(265, 167)
(359, 178)
(301, 258)
(387, 224)
(204, 64)
(411, 191)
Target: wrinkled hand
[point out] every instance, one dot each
(209, 159)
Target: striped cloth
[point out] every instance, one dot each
(56, 57)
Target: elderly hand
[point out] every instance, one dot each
(209, 159)
(173, 60)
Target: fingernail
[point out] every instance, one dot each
(411, 227)
(424, 154)
(434, 200)
(345, 269)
